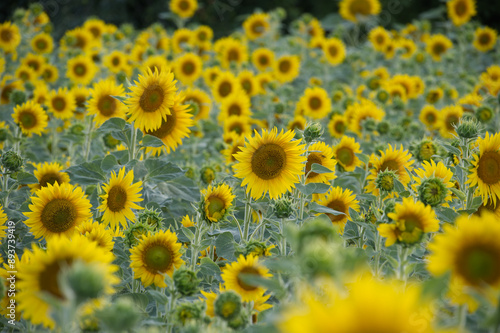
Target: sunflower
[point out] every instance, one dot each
(359, 112)
(286, 68)
(437, 45)
(56, 210)
(262, 59)
(42, 274)
(449, 116)
(188, 68)
(78, 39)
(40, 93)
(469, 250)
(397, 160)
(174, 128)
(316, 103)
(485, 39)
(233, 276)
(210, 74)
(203, 34)
(235, 146)
(26, 74)
(81, 95)
(429, 116)
(412, 219)
(31, 117)
(237, 104)
(434, 95)
(216, 203)
(156, 255)
(103, 104)
(488, 207)
(50, 74)
(339, 200)
(233, 51)
(248, 82)
(97, 233)
(199, 103)
(224, 85)
(396, 91)
(238, 125)
(81, 70)
(334, 51)
(182, 39)
(10, 37)
(263, 80)
(485, 171)
(431, 170)
(35, 61)
(408, 46)
(96, 27)
(353, 9)
(322, 154)
(297, 123)
(61, 103)
(337, 126)
(270, 162)
(3, 219)
(151, 99)
(48, 173)
(117, 62)
(119, 198)
(345, 153)
(183, 8)
(379, 37)
(461, 11)
(256, 25)
(389, 49)
(155, 63)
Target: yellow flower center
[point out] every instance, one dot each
(157, 258)
(488, 169)
(430, 117)
(58, 103)
(117, 198)
(285, 66)
(311, 159)
(106, 105)
(268, 161)
(50, 178)
(152, 98)
(250, 271)
(478, 264)
(360, 7)
(58, 215)
(34, 64)
(115, 61)
(315, 103)
(27, 119)
(339, 206)
(166, 127)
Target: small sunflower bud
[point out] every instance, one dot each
(425, 149)
(281, 13)
(77, 129)
(11, 161)
(85, 280)
(385, 181)
(317, 259)
(369, 125)
(283, 207)
(228, 305)
(397, 133)
(190, 173)
(134, 233)
(188, 312)
(239, 323)
(279, 108)
(468, 129)
(382, 96)
(119, 316)
(121, 78)
(185, 281)
(18, 14)
(257, 249)
(109, 141)
(207, 175)
(313, 132)
(317, 229)
(383, 127)
(4, 133)
(432, 192)
(17, 97)
(36, 8)
(373, 83)
(152, 218)
(484, 114)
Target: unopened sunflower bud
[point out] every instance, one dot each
(228, 305)
(283, 207)
(397, 133)
(119, 316)
(383, 127)
(369, 125)
(109, 141)
(382, 96)
(127, 29)
(468, 129)
(190, 173)
(12, 161)
(36, 8)
(17, 97)
(312, 132)
(484, 114)
(77, 129)
(3, 134)
(121, 78)
(151, 217)
(207, 175)
(240, 322)
(373, 83)
(134, 233)
(18, 14)
(188, 312)
(432, 191)
(425, 149)
(281, 13)
(385, 181)
(317, 229)
(317, 259)
(279, 108)
(185, 281)
(257, 249)
(85, 280)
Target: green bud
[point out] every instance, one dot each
(425, 149)
(119, 316)
(397, 133)
(256, 248)
(398, 104)
(281, 13)
(317, 229)
(228, 305)
(11, 161)
(86, 280)
(134, 233)
(188, 312)
(207, 175)
(432, 191)
(385, 181)
(121, 77)
(109, 141)
(317, 259)
(17, 97)
(36, 8)
(4, 133)
(151, 217)
(348, 102)
(77, 129)
(373, 83)
(312, 132)
(190, 173)
(283, 207)
(383, 127)
(484, 114)
(127, 29)
(306, 17)
(279, 108)
(382, 96)
(186, 282)
(468, 128)
(240, 322)
(48, 28)
(369, 125)
(18, 14)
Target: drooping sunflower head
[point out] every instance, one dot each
(485, 39)
(412, 219)
(103, 104)
(345, 153)
(184, 8)
(286, 68)
(151, 99)
(316, 103)
(155, 255)
(461, 11)
(322, 154)
(353, 10)
(56, 210)
(188, 68)
(49, 173)
(235, 273)
(31, 118)
(256, 25)
(216, 202)
(468, 249)
(340, 200)
(270, 162)
(81, 69)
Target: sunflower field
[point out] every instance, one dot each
(321, 176)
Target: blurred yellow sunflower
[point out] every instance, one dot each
(461, 11)
(216, 202)
(81, 70)
(48, 173)
(316, 103)
(340, 200)
(50, 73)
(286, 68)
(103, 104)
(237, 104)
(485, 39)
(334, 50)
(322, 154)
(379, 37)
(448, 117)
(256, 25)
(248, 82)
(224, 85)
(353, 10)
(345, 153)
(337, 126)
(97, 233)
(437, 46)
(61, 103)
(429, 116)
(188, 68)
(10, 37)
(31, 118)
(199, 103)
(262, 59)
(183, 8)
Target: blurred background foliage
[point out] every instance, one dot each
(226, 15)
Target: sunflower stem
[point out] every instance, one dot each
(283, 239)
(248, 215)
(5, 185)
(133, 143)
(462, 318)
(402, 261)
(88, 138)
(54, 142)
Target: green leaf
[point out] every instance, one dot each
(313, 188)
(151, 141)
(159, 171)
(189, 234)
(458, 193)
(87, 173)
(108, 162)
(364, 158)
(451, 149)
(139, 299)
(224, 245)
(446, 214)
(316, 208)
(435, 287)
(181, 188)
(26, 178)
(209, 268)
(318, 168)
(159, 297)
(113, 124)
(398, 186)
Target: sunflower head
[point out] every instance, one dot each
(461, 11)
(216, 203)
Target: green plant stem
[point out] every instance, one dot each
(5, 185)
(462, 318)
(283, 239)
(195, 247)
(248, 216)
(402, 261)
(133, 143)
(88, 138)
